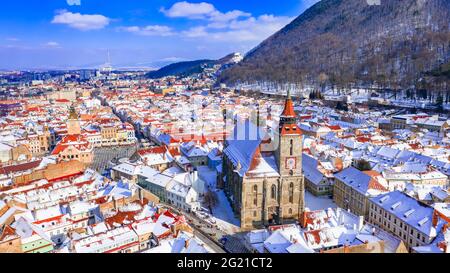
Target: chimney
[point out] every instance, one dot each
(141, 195)
(173, 229)
(446, 238)
(435, 218)
(303, 219)
(360, 222)
(341, 218)
(195, 175)
(115, 204)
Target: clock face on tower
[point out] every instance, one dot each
(291, 163)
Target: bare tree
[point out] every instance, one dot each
(210, 199)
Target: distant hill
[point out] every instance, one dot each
(397, 44)
(180, 69)
(193, 67)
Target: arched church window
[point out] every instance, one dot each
(291, 192)
(273, 192)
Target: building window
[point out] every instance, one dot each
(273, 192)
(291, 148)
(291, 192)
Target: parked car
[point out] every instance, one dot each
(201, 214)
(211, 221)
(205, 210)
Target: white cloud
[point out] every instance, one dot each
(237, 28)
(81, 21)
(189, 10)
(203, 10)
(152, 30)
(52, 44)
(231, 15)
(233, 25)
(253, 29)
(195, 32)
(73, 2)
(12, 39)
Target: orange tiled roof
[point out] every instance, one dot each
(288, 109)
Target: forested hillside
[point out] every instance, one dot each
(400, 44)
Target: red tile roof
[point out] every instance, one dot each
(20, 167)
(290, 129)
(288, 109)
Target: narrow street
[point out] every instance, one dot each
(212, 235)
(201, 229)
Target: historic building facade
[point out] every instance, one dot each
(262, 176)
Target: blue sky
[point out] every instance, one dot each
(137, 33)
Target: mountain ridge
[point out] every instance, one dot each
(342, 43)
(187, 68)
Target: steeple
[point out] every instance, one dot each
(73, 113)
(288, 118)
(288, 111)
(73, 123)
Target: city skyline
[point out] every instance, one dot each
(212, 126)
(68, 34)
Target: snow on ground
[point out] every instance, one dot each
(317, 203)
(224, 216)
(208, 175)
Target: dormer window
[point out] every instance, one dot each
(408, 213)
(423, 221)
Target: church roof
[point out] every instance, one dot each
(241, 153)
(290, 129)
(242, 145)
(288, 107)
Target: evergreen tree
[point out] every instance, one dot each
(363, 165)
(440, 102)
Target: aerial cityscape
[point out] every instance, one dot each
(225, 127)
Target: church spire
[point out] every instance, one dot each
(73, 113)
(288, 107)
